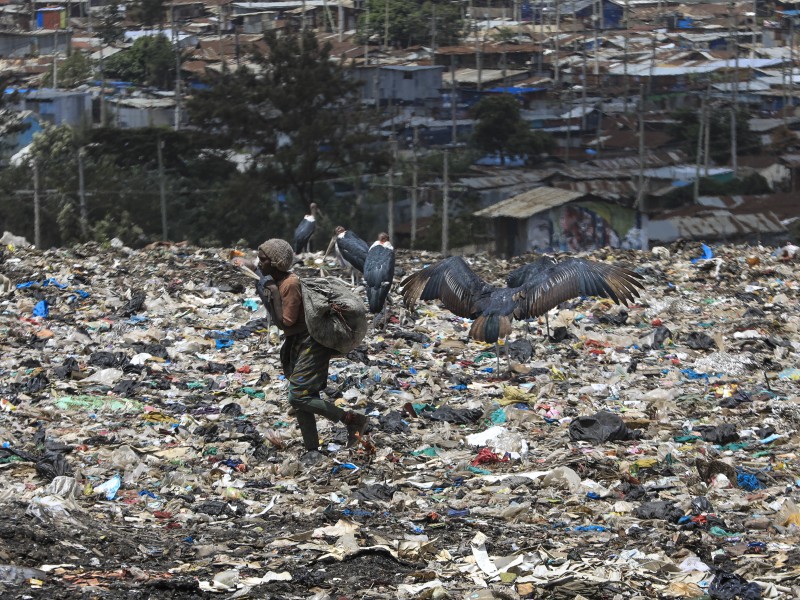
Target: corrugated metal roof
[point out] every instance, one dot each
(608, 189)
(502, 180)
(529, 203)
(713, 224)
(485, 75)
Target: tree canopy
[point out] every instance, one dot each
(149, 61)
(299, 117)
(687, 127)
(412, 22)
(500, 129)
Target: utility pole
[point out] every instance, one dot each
(596, 19)
(55, 59)
(640, 190)
(541, 36)
(433, 29)
(161, 188)
(37, 207)
(569, 127)
(625, 82)
(176, 44)
(340, 21)
(445, 203)
(82, 197)
(557, 36)
(414, 190)
(735, 102)
(583, 89)
(390, 198)
(219, 35)
(453, 96)
(599, 133)
(103, 101)
(386, 44)
(700, 135)
(474, 27)
(790, 96)
(707, 141)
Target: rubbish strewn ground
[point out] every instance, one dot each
(649, 452)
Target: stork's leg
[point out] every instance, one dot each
(547, 324)
(497, 355)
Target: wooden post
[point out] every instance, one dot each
(162, 189)
(37, 207)
(82, 197)
(454, 133)
(445, 204)
(696, 193)
(640, 191)
(414, 190)
(390, 197)
(735, 98)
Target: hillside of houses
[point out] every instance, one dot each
(667, 120)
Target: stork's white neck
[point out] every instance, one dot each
(309, 218)
(341, 235)
(387, 245)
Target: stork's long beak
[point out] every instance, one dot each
(330, 246)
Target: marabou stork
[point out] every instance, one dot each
(530, 273)
(533, 290)
(351, 251)
(379, 273)
(304, 231)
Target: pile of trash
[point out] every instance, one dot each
(147, 450)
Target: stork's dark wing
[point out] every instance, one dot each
(378, 273)
(575, 277)
(353, 249)
(529, 271)
(302, 234)
(451, 281)
(379, 266)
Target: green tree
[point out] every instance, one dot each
(412, 22)
(149, 61)
(74, 71)
(501, 129)
(299, 118)
(110, 25)
(149, 12)
(10, 120)
(687, 126)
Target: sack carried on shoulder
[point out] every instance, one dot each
(335, 316)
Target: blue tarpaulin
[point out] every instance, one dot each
(515, 90)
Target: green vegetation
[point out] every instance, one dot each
(149, 61)
(410, 22)
(501, 130)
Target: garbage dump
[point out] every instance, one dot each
(147, 449)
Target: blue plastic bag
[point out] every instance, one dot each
(42, 309)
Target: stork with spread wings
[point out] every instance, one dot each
(532, 290)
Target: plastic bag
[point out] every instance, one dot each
(335, 316)
(603, 426)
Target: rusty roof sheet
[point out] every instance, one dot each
(529, 203)
(608, 189)
(500, 180)
(712, 224)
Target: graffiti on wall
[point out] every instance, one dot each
(581, 226)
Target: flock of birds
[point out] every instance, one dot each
(531, 291)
